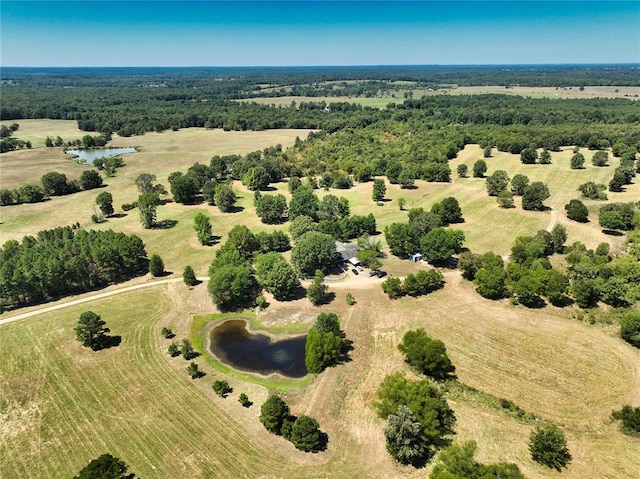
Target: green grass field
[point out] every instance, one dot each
(62, 405)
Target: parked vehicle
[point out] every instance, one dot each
(382, 274)
(354, 271)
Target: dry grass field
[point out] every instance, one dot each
(62, 405)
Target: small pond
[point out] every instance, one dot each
(234, 345)
(87, 156)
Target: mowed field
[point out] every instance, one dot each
(62, 405)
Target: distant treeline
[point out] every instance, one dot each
(64, 261)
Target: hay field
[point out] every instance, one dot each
(138, 403)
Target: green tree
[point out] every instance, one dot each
(317, 290)
(403, 433)
(91, 331)
(427, 355)
(256, 178)
(173, 350)
(185, 188)
(439, 244)
(630, 328)
(105, 202)
(600, 158)
(545, 157)
(497, 182)
(519, 183)
(186, 348)
(463, 170)
(193, 370)
(469, 263)
(314, 251)
(271, 208)
(486, 152)
(244, 400)
(534, 196)
(559, 237)
(426, 402)
(231, 286)
(277, 276)
(305, 434)
(528, 156)
(221, 387)
(401, 203)
(90, 179)
(145, 183)
(321, 349)
(457, 462)
(167, 333)
(30, 194)
(55, 184)
(147, 205)
(273, 413)
(189, 276)
(301, 225)
(379, 190)
(451, 212)
(577, 161)
(392, 286)
(104, 467)
(479, 169)
(304, 202)
(490, 282)
(202, 226)
(156, 265)
(225, 198)
(611, 220)
(505, 199)
(630, 418)
(293, 184)
(577, 211)
(548, 446)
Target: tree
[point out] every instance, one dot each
(618, 181)
(457, 462)
(505, 199)
(630, 418)
(469, 263)
(401, 203)
(222, 388)
(167, 333)
(479, 169)
(548, 446)
(184, 188)
(193, 370)
(593, 191)
(147, 205)
(600, 158)
(630, 329)
(244, 400)
(332, 208)
(379, 190)
(611, 220)
(305, 434)
(486, 152)
(519, 183)
(202, 226)
(186, 348)
(273, 412)
(577, 161)
(104, 467)
(90, 179)
(156, 265)
(317, 290)
(256, 178)
(173, 350)
(424, 400)
(534, 196)
(304, 202)
(490, 282)
(30, 194)
(545, 157)
(559, 237)
(528, 156)
(55, 184)
(439, 244)
(301, 225)
(225, 198)
(90, 330)
(275, 273)
(463, 170)
(392, 286)
(293, 184)
(314, 251)
(271, 208)
(450, 211)
(404, 436)
(231, 286)
(105, 202)
(145, 183)
(427, 355)
(577, 211)
(189, 276)
(497, 182)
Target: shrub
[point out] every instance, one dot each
(244, 400)
(221, 387)
(630, 329)
(427, 355)
(156, 265)
(630, 418)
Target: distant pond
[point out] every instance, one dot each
(87, 156)
(234, 345)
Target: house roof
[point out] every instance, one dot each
(346, 251)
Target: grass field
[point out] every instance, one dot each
(62, 405)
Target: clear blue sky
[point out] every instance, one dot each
(264, 33)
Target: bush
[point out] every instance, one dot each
(548, 447)
(393, 287)
(630, 329)
(630, 418)
(173, 350)
(244, 400)
(167, 333)
(427, 355)
(156, 266)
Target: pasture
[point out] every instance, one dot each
(63, 405)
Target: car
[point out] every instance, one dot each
(373, 272)
(360, 268)
(355, 271)
(382, 274)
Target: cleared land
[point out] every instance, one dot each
(63, 405)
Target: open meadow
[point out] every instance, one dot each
(62, 404)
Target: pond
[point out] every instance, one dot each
(87, 156)
(234, 345)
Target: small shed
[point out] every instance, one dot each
(347, 252)
(416, 257)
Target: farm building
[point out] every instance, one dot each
(347, 253)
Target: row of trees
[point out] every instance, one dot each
(63, 261)
(421, 283)
(52, 184)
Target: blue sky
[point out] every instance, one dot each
(264, 33)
